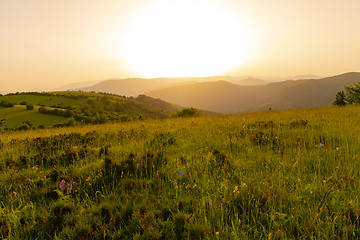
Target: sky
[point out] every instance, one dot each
(46, 44)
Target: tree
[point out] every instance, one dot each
(29, 107)
(353, 93)
(25, 125)
(187, 112)
(69, 113)
(71, 122)
(340, 99)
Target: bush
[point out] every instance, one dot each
(29, 107)
(71, 122)
(187, 112)
(6, 104)
(25, 125)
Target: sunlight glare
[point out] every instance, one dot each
(187, 39)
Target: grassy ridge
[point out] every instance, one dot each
(270, 175)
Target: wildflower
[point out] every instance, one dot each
(62, 185)
(68, 187)
(217, 233)
(65, 185)
(180, 171)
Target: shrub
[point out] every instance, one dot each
(29, 107)
(6, 104)
(187, 112)
(25, 125)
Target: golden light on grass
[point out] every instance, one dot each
(186, 39)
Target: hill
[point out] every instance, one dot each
(250, 82)
(225, 97)
(15, 117)
(78, 85)
(61, 108)
(128, 87)
(137, 86)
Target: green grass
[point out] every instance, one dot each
(16, 115)
(270, 175)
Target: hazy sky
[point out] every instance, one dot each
(49, 43)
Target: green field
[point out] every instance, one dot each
(16, 115)
(269, 175)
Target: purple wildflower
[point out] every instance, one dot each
(62, 185)
(181, 171)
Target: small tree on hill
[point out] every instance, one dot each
(340, 99)
(188, 112)
(29, 107)
(353, 93)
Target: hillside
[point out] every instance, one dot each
(128, 87)
(226, 97)
(268, 175)
(61, 108)
(250, 82)
(15, 116)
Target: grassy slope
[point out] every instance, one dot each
(16, 115)
(151, 108)
(270, 175)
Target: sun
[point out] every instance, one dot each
(186, 39)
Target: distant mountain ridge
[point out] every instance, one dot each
(225, 97)
(227, 94)
(250, 82)
(137, 86)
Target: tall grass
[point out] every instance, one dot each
(270, 175)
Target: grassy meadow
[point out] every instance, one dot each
(269, 175)
(16, 115)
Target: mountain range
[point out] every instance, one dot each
(137, 86)
(226, 94)
(225, 97)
